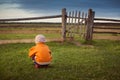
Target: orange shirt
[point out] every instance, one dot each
(42, 53)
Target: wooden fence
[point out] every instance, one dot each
(64, 22)
(106, 29)
(90, 25)
(31, 18)
(75, 20)
(76, 23)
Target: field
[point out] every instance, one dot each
(95, 60)
(29, 31)
(100, 61)
(13, 31)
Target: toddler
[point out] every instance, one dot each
(40, 53)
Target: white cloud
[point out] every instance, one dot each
(15, 11)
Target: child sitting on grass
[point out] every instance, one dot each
(40, 53)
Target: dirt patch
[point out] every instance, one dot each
(25, 41)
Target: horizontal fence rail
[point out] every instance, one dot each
(106, 32)
(105, 28)
(106, 24)
(103, 19)
(55, 16)
(76, 17)
(32, 18)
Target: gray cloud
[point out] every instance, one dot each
(52, 6)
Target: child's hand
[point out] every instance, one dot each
(33, 57)
(50, 52)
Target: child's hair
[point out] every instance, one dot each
(40, 38)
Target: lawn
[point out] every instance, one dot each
(27, 36)
(11, 33)
(101, 61)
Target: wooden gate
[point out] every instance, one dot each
(78, 24)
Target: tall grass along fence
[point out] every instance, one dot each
(77, 23)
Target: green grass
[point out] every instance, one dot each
(70, 62)
(27, 36)
(16, 36)
(29, 25)
(11, 36)
(30, 28)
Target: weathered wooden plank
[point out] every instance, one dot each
(90, 22)
(31, 18)
(64, 19)
(99, 32)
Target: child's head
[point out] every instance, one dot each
(40, 38)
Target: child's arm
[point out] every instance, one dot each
(32, 52)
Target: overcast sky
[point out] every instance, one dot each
(34, 8)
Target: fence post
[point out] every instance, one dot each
(64, 18)
(90, 24)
